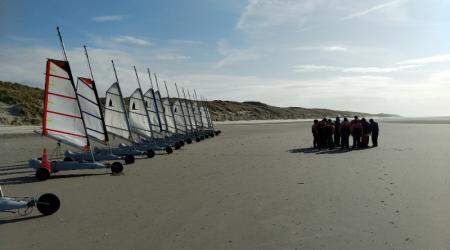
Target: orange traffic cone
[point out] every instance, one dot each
(45, 163)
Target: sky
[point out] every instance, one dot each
(377, 56)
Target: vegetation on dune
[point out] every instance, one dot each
(22, 105)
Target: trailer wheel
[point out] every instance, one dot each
(177, 146)
(48, 204)
(169, 150)
(197, 139)
(189, 140)
(150, 153)
(116, 167)
(67, 158)
(42, 174)
(129, 159)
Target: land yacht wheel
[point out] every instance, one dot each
(129, 159)
(150, 153)
(48, 204)
(42, 174)
(116, 167)
(169, 150)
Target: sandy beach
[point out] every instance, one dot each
(256, 186)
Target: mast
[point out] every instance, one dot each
(73, 86)
(187, 108)
(181, 106)
(170, 107)
(143, 100)
(198, 106)
(193, 110)
(123, 103)
(94, 87)
(160, 101)
(209, 114)
(154, 99)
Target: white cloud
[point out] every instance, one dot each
(132, 40)
(379, 7)
(185, 42)
(171, 56)
(334, 48)
(356, 70)
(270, 13)
(108, 18)
(232, 55)
(443, 58)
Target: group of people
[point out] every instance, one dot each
(330, 134)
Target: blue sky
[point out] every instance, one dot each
(389, 56)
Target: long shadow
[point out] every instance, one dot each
(304, 150)
(16, 172)
(32, 179)
(13, 167)
(15, 220)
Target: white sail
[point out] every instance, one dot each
(191, 115)
(187, 115)
(204, 116)
(151, 105)
(90, 109)
(170, 119)
(179, 116)
(160, 109)
(197, 114)
(115, 113)
(138, 116)
(62, 116)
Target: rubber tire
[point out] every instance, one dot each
(206, 136)
(67, 158)
(42, 174)
(116, 168)
(212, 135)
(216, 132)
(202, 137)
(181, 143)
(189, 140)
(129, 159)
(48, 204)
(169, 150)
(197, 139)
(177, 146)
(150, 153)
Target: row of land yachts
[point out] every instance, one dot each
(74, 115)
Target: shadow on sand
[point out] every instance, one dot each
(19, 219)
(323, 151)
(32, 178)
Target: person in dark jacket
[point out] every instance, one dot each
(345, 134)
(356, 129)
(365, 133)
(315, 134)
(375, 132)
(321, 133)
(337, 131)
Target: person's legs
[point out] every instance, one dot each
(375, 140)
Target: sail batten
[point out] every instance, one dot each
(63, 119)
(90, 108)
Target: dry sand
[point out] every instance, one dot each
(253, 187)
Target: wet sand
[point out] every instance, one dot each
(254, 187)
